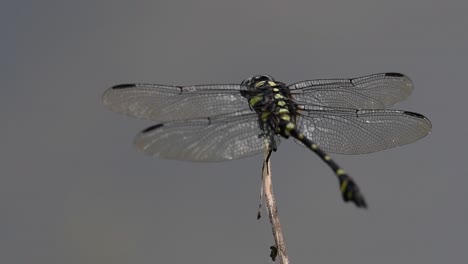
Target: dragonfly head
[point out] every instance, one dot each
(252, 81)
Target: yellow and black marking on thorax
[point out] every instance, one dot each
(277, 112)
(272, 101)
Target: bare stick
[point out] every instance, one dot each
(280, 247)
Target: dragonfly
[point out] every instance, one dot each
(218, 122)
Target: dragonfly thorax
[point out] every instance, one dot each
(272, 101)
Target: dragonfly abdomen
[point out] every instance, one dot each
(349, 189)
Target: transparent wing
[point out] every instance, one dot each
(216, 138)
(362, 131)
(167, 103)
(368, 92)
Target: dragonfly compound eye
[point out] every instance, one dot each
(259, 78)
(251, 81)
(248, 81)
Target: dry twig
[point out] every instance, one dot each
(279, 249)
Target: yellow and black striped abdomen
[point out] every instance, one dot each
(349, 189)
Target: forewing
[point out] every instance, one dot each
(209, 139)
(168, 103)
(362, 131)
(375, 91)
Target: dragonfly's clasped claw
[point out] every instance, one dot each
(350, 192)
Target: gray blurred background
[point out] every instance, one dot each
(74, 190)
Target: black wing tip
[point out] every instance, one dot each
(123, 86)
(151, 128)
(417, 115)
(394, 74)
